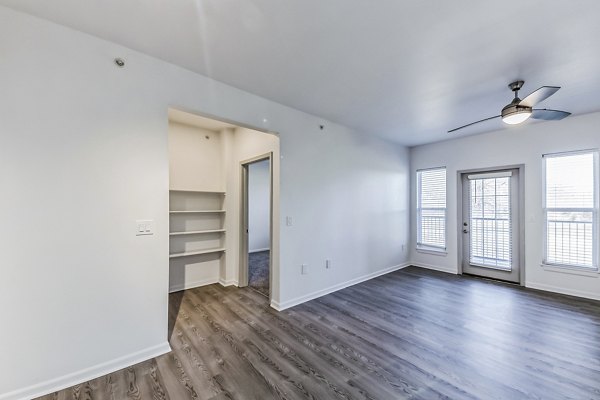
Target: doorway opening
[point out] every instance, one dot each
(491, 227)
(206, 202)
(256, 224)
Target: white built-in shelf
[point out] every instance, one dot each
(197, 212)
(196, 232)
(197, 252)
(195, 191)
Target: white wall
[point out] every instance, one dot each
(521, 145)
(195, 158)
(83, 154)
(348, 198)
(259, 193)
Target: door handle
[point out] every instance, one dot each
(465, 231)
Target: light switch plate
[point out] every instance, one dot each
(144, 227)
(304, 269)
(289, 221)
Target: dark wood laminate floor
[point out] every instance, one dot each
(258, 271)
(411, 334)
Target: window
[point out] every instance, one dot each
(491, 220)
(431, 209)
(571, 209)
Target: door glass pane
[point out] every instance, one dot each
(490, 223)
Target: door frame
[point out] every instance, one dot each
(244, 216)
(521, 219)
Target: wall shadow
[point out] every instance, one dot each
(175, 300)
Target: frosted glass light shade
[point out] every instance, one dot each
(517, 117)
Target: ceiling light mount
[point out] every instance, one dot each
(119, 62)
(515, 113)
(516, 85)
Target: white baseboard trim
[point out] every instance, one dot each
(302, 299)
(556, 289)
(231, 282)
(191, 285)
(435, 268)
(257, 250)
(86, 374)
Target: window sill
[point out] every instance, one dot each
(433, 252)
(571, 270)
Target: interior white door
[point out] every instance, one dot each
(491, 224)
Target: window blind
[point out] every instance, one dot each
(431, 209)
(490, 221)
(571, 209)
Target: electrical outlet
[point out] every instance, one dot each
(304, 269)
(328, 264)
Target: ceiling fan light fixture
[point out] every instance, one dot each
(514, 113)
(516, 117)
(519, 111)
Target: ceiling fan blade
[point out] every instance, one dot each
(539, 95)
(473, 123)
(549, 115)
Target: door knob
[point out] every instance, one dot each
(465, 231)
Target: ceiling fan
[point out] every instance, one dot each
(520, 110)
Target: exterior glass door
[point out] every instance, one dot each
(490, 224)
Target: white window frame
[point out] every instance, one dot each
(424, 248)
(595, 239)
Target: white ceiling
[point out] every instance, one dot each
(405, 70)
